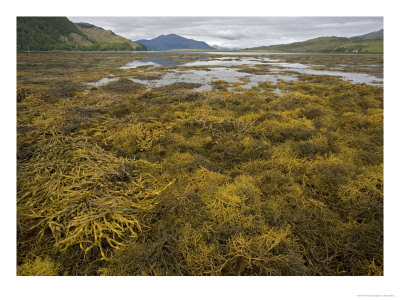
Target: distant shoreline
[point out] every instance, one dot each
(196, 50)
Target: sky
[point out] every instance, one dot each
(240, 32)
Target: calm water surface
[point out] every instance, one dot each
(221, 66)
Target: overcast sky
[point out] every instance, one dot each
(237, 31)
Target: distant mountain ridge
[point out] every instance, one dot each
(59, 33)
(376, 35)
(370, 42)
(173, 41)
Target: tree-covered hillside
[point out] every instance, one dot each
(44, 33)
(59, 33)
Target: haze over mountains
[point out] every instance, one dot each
(173, 41)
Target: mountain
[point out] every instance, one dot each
(59, 33)
(107, 38)
(376, 35)
(174, 41)
(330, 44)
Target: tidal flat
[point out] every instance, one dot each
(199, 163)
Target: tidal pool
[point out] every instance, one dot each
(217, 69)
(205, 77)
(349, 76)
(152, 61)
(242, 59)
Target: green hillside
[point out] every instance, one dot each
(59, 33)
(107, 38)
(376, 35)
(326, 44)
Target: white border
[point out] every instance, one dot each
(198, 287)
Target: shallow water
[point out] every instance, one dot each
(152, 61)
(229, 61)
(235, 53)
(205, 77)
(349, 76)
(220, 61)
(352, 77)
(223, 68)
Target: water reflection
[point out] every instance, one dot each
(228, 61)
(349, 76)
(247, 74)
(152, 61)
(205, 77)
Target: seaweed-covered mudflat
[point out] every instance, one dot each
(196, 163)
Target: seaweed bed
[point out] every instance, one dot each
(122, 179)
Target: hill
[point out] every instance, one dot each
(376, 35)
(174, 41)
(59, 33)
(330, 44)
